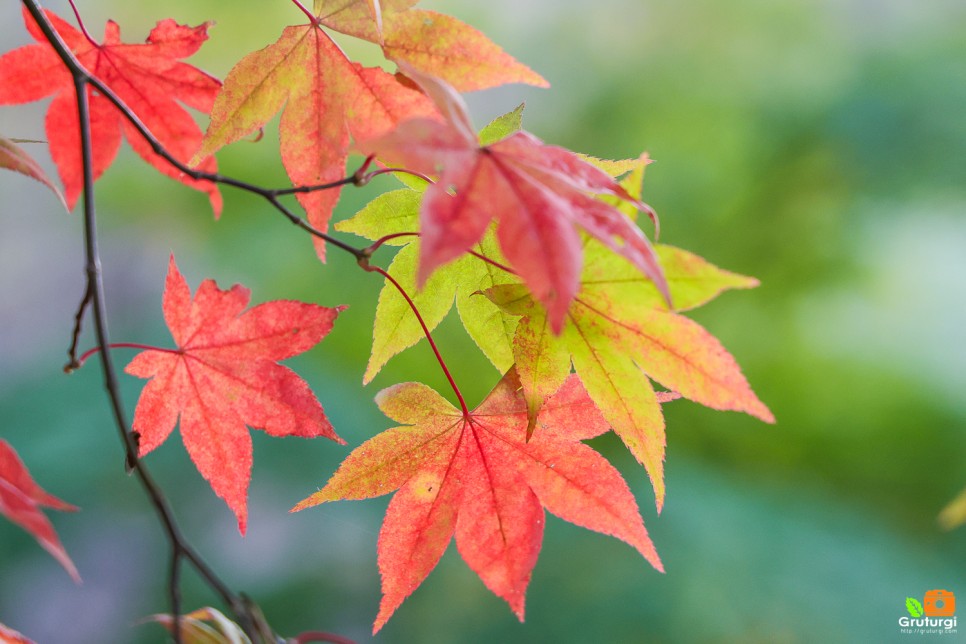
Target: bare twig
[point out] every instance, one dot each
(72, 360)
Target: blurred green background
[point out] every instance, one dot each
(817, 145)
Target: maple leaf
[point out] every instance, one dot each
(20, 501)
(463, 280)
(543, 361)
(10, 636)
(474, 476)
(619, 335)
(149, 78)
(13, 157)
(395, 328)
(224, 375)
(538, 194)
(433, 43)
(327, 98)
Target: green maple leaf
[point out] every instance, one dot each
(395, 328)
(619, 335)
(463, 280)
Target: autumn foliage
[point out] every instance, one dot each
(224, 376)
(149, 78)
(539, 247)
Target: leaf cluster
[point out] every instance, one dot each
(537, 246)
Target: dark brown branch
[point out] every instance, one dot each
(180, 548)
(95, 294)
(72, 361)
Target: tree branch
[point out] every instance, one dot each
(94, 294)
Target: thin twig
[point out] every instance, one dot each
(492, 262)
(72, 360)
(81, 24)
(96, 288)
(376, 245)
(419, 175)
(119, 345)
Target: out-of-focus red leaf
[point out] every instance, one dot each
(431, 42)
(10, 636)
(20, 501)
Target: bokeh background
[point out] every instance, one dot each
(819, 145)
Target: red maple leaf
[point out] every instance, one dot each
(20, 501)
(539, 195)
(326, 99)
(224, 375)
(149, 78)
(477, 477)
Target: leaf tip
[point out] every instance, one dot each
(762, 412)
(307, 502)
(68, 565)
(242, 515)
(384, 614)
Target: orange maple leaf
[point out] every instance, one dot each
(20, 501)
(224, 375)
(475, 476)
(326, 96)
(431, 42)
(149, 78)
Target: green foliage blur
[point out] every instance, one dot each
(819, 146)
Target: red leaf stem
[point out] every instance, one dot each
(429, 336)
